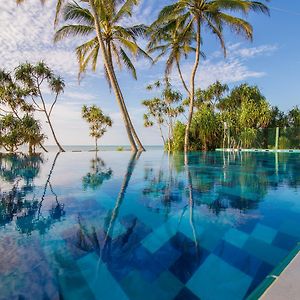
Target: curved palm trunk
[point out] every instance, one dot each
(111, 76)
(41, 145)
(140, 146)
(192, 89)
(61, 149)
(47, 183)
(181, 77)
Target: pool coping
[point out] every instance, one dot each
(274, 275)
(259, 150)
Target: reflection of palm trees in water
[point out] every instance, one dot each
(15, 203)
(191, 200)
(88, 238)
(168, 187)
(56, 211)
(97, 175)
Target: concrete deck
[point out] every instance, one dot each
(287, 285)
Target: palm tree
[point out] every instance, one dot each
(197, 14)
(102, 19)
(175, 43)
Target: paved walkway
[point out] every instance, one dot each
(287, 285)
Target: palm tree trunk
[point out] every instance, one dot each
(61, 149)
(110, 75)
(181, 77)
(140, 146)
(41, 145)
(192, 89)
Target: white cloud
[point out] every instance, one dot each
(233, 69)
(27, 35)
(237, 51)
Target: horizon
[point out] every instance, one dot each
(265, 63)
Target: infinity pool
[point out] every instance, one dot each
(115, 226)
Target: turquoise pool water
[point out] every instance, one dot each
(116, 226)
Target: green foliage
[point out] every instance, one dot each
(97, 175)
(247, 137)
(121, 41)
(284, 143)
(97, 120)
(178, 137)
(21, 94)
(15, 132)
(205, 128)
(164, 110)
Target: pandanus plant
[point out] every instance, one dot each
(214, 15)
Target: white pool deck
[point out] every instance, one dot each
(287, 285)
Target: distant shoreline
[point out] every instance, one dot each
(86, 148)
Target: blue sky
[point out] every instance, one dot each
(271, 61)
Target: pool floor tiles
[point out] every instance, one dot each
(216, 279)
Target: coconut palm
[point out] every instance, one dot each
(100, 23)
(175, 44)
(212, 14)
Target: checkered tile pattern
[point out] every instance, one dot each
(158, 244)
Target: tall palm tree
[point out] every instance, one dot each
(100, 21)
(212, 14)
(105, 14)
(174, 43)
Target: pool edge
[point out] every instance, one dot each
(271, 278)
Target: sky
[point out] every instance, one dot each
(271, 61)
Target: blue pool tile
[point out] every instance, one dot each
(211, 237)
(160, 236)
(264, 233)
(285, 241)
(99, 278)
(291, 227)
(236, 237)
(166, 255)
(248, 225)
(264, 270)
(238, 258)
(165, 287)
(188, 263)
(264, 251)
(216, 279)
(143, 261)
(186, 294)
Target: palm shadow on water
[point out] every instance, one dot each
(19, 203)
(88, 238)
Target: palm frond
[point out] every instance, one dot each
(127, 62)
(73, 31)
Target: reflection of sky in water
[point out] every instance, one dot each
(148, 221)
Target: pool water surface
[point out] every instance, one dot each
(116, 226)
